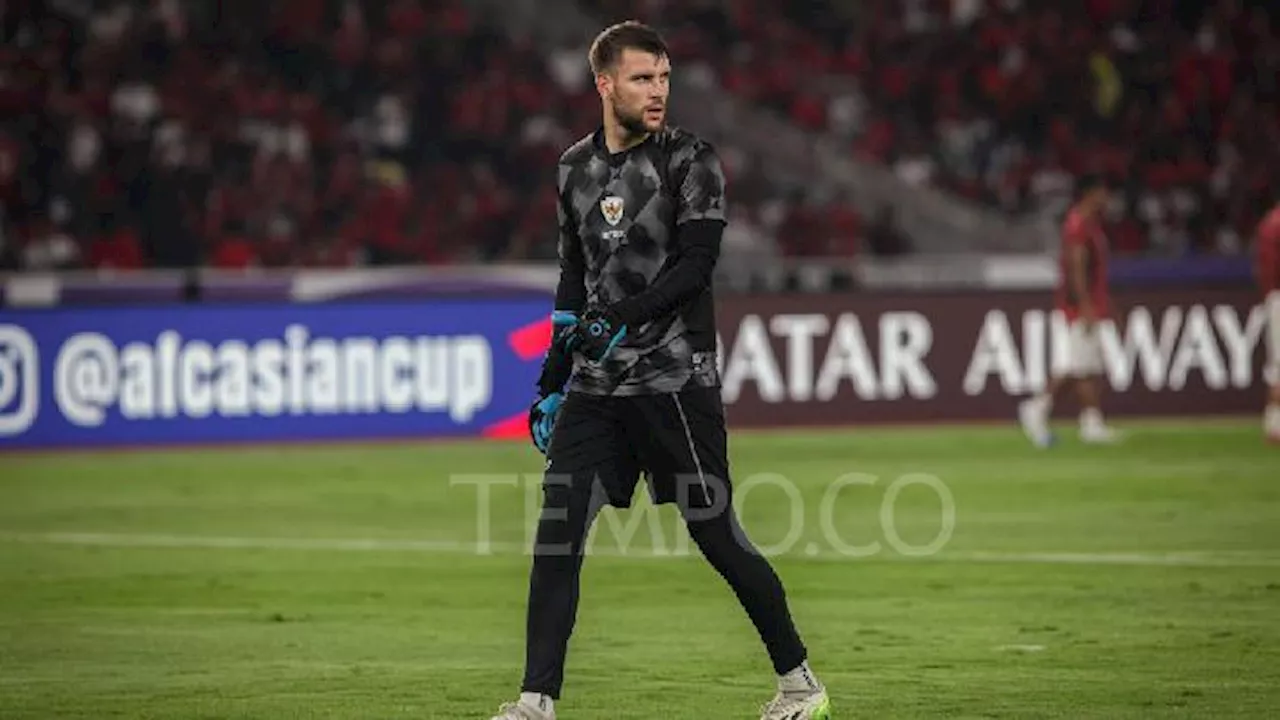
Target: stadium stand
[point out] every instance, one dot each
(314, 133)
(1005, 102)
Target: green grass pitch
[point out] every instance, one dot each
(958, 573)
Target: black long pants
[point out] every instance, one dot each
(600, 447)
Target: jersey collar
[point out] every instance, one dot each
(597, 139)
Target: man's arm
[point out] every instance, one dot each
(700, 222)
(571, 296)
(699, 242)
(571, 292)
(1078, 264)
(1259, 258)
(1265, 259)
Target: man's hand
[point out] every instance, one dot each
(542, 420)
(557, 366)
(597, 334)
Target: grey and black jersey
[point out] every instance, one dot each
(640, 233)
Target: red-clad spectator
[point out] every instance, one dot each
(329, 251)
(233, 251)
(407, 19)
(383, 214)
(451, 18)
(297, 21)
(116, 248)
(278, 246)
(809, 111)
(11, 162)
(845, 229)
(350, 41)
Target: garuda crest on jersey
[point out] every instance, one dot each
(611, 207)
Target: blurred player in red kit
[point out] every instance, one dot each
(1084, 299)
(1267, 270)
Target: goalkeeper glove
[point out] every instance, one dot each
(597, 334)
(556, 368)
(542, 420)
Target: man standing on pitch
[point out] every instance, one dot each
(1267, 269)
(1084, 299)
(641, 213)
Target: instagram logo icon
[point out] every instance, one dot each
(19, 380)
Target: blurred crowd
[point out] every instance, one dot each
(340, 132)
(245, 133)
(1006, 102)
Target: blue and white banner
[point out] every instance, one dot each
(189, 374)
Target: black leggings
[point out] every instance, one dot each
(570, 508)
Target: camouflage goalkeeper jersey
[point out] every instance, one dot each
(619, 217)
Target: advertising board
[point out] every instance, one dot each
(74, 376)
(837, 359)
(270, 371)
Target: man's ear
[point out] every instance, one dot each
(604, 84)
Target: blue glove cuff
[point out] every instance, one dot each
(563, 325)
(551, 403)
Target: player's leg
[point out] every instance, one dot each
(1089, 368)
(1034, 412)
(585, 468)
(569, 506)
(1271, 417)
(684, 443)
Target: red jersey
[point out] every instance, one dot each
(1080, 231)
(1267, 252)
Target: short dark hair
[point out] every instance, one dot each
(607, 48)
(1088, 182)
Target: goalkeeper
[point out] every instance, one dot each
(631, 384)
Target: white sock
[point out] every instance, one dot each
(1042, 404)
(1091, 419)
(799, 680)
(537, 700)
(1271, 420)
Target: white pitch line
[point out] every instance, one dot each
(1022, 648)
(1195, 559)
(1242, 559)
(244, 543)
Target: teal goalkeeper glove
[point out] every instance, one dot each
(542, 420)
(556, 369)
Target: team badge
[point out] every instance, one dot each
(611, 208)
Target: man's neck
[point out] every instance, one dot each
(617, 139)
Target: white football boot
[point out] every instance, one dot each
(1035, 424)
(1095, 431)
(805, 705)
(1102, 435)
(525, 709)
(801, 696)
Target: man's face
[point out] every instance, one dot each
(637, 88)
(1099, 198)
